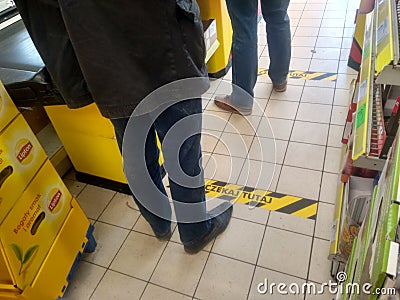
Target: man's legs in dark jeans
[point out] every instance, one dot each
(189, 157)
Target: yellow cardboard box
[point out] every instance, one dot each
(29, 230)
(8, 111)
(21, 156)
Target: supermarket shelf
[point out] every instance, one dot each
(387, 42)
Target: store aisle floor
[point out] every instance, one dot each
(308, 119)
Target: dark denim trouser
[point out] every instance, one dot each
(190, 161)
(243, 15)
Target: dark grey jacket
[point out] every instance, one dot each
(115, 52)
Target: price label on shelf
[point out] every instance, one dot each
(363, 90)
(383, 30)
(360, 115)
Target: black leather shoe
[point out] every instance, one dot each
(220, 218)
(164, 236)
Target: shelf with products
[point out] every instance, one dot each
(387, 42)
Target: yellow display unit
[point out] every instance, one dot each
(219, 63)
(51, 280)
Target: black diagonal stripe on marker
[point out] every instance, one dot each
(296, 206)
(275, 195)
(326, 75)
(314, 217)
(219, 183)
(248, 189)
(225, 197)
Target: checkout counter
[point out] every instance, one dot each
(86, 138)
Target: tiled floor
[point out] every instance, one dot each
(307, 122)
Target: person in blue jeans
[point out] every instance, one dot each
(243, 16)
(116, 62)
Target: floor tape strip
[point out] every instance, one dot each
(305, 75)
(287, 204)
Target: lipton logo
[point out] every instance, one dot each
(24, 151)
(55, 200)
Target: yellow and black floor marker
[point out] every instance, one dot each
(287, 204)
(305, 75)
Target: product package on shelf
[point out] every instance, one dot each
(21, 156)
(29, 230)
(387, 42)
(8, 111)
(357, 205)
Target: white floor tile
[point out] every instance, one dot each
(300, 41)
(323, 227)
(317, 95)
(214, 120)
(291, 223)
(330, 182)
(304, 22)
(342, 97)
(268, 150)
(327, 53)
(214, 83)
(320, 265)
(153, 292)
(314, 113)
(339, 115)
(277, 252)
(269, 277)
(331, 32)
(328, 42)
(224, 168)
(84, 282)
(324, 65)
(328, 22)
(94, 200)
(281, 109)
(311, 133)
(348, 32)
(262, 90)
(74, 187)
(296, 6)
(281, 128)
(225, 278)
(311, 14)
(293, 93)
(321, 83)
(118, 286)
(173, 269)
(138, 256)
(335, 136)
(261, 175)
(301, 52)
(347, 42)
(345, 69)
(332, 160)
(119, 206)
(250, 213)
(305, 156)
(314, 6)
(243, 125)
(299, 182)
(242, 241)
(209, 139)
(343, 81)
(109, 239)
(335, 14)
(344, 54)
(232, 144)
(299, 64)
